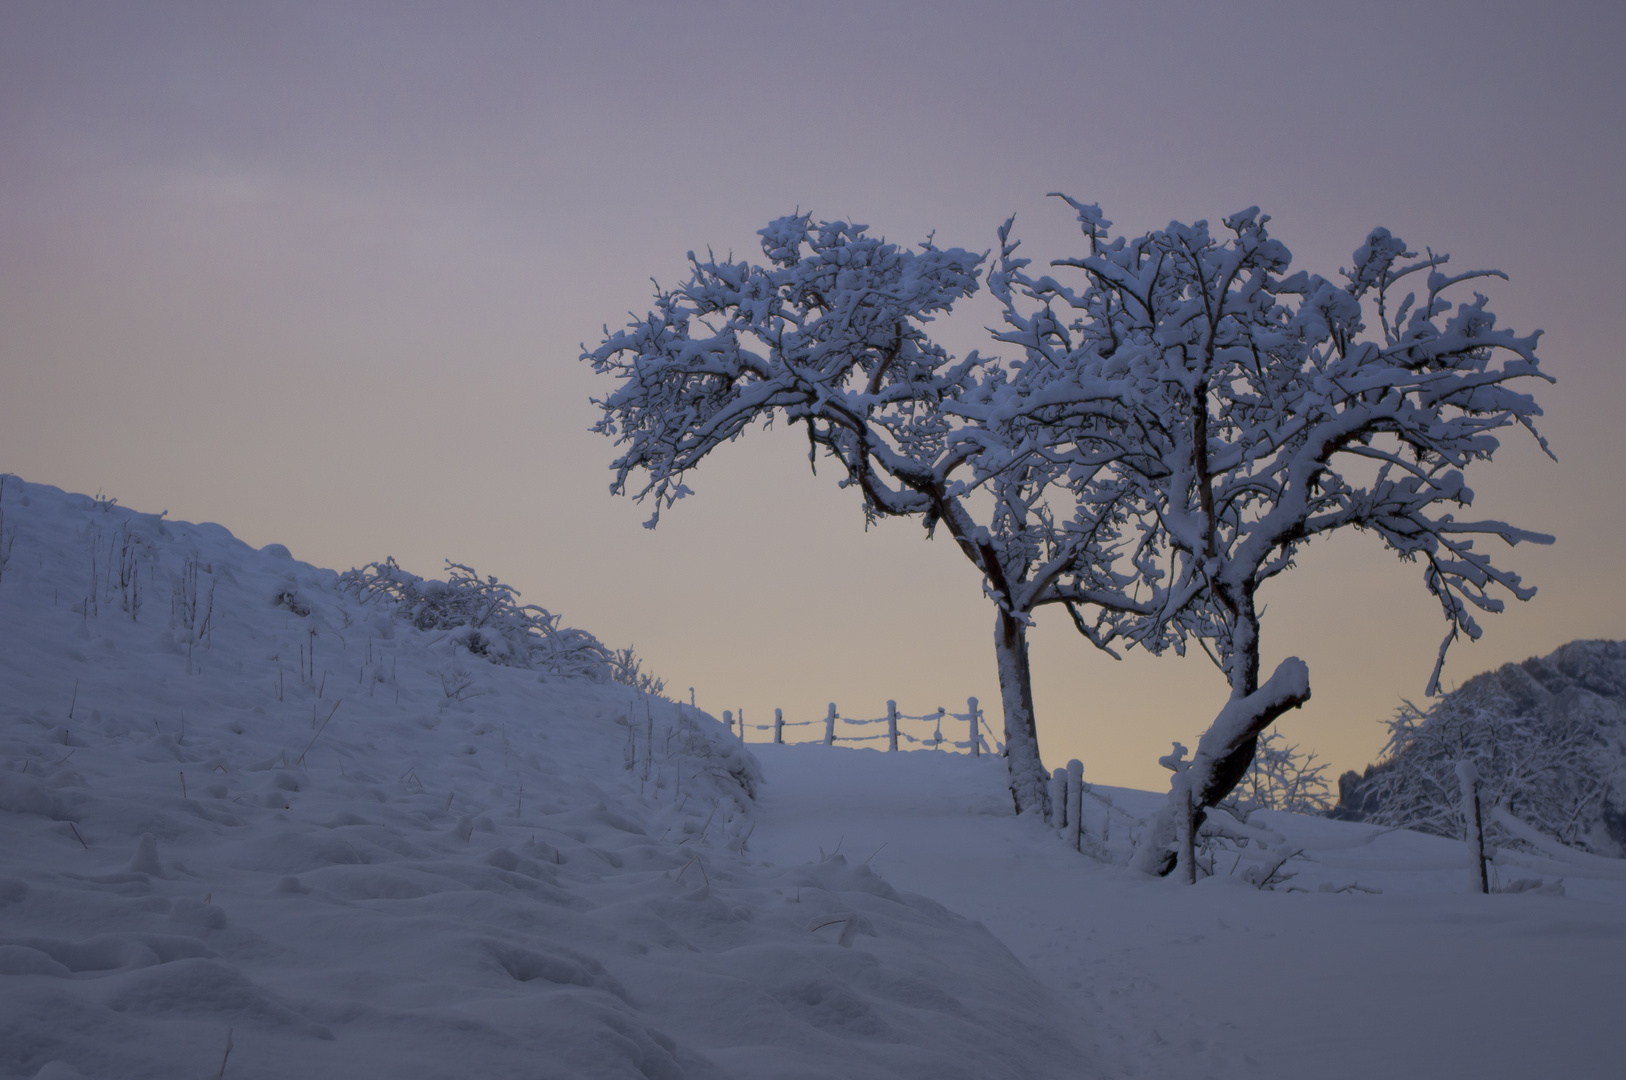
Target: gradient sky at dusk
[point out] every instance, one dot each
(321, 273)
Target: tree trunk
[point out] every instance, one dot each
(1229, 770)
(1187, 860)
(1223, 755)
(1028, 779)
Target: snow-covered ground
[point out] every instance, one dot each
(284, 823)
(1422, 979)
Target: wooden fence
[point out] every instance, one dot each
(975, 743)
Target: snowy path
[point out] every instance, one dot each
(1222, 980)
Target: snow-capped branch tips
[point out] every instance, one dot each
(485, 617)
(1177, 419)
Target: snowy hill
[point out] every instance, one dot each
(240, 807)
(346, 848)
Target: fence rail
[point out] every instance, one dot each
(975, 743)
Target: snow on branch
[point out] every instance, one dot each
(830, 334)
(1244, 401)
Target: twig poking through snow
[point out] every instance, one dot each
(319, 731)
(225, 1056)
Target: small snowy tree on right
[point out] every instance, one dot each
(1255, 410)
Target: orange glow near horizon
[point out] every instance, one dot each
(322, 275)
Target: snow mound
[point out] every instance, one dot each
(255, 826)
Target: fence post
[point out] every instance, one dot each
(728, 720)
(1075, 804)
(1058, 798)
(976, 740)
(779, 725)
(1187, 861)
(892, 725)
(1473, 826)
(742, 725)
(830, 726)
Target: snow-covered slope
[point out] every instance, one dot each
(241, 810)
(289, 825)
(1418, 978)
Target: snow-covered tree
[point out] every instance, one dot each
(1252, 411)
(831, 334)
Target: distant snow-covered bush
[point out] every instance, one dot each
(1548, 774)
(1282, 777)
(485, 617)
(1547, 739)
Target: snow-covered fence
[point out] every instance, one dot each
(975, 742)
(1082, 816)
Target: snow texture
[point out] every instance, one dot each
(222, 857)
(333, 838)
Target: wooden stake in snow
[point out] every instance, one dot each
(830, 726)
(779, 725)
(1058, 798)
(1075, 804)
(1473, 825)
(1188, 838)
(891, 725)
(976, 738)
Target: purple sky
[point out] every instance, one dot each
(321, 272)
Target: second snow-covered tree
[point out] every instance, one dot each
(1255, 410)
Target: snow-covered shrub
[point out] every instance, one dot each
(1548, 771)
(626, 668)
(1282, 777)
(485, 617)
